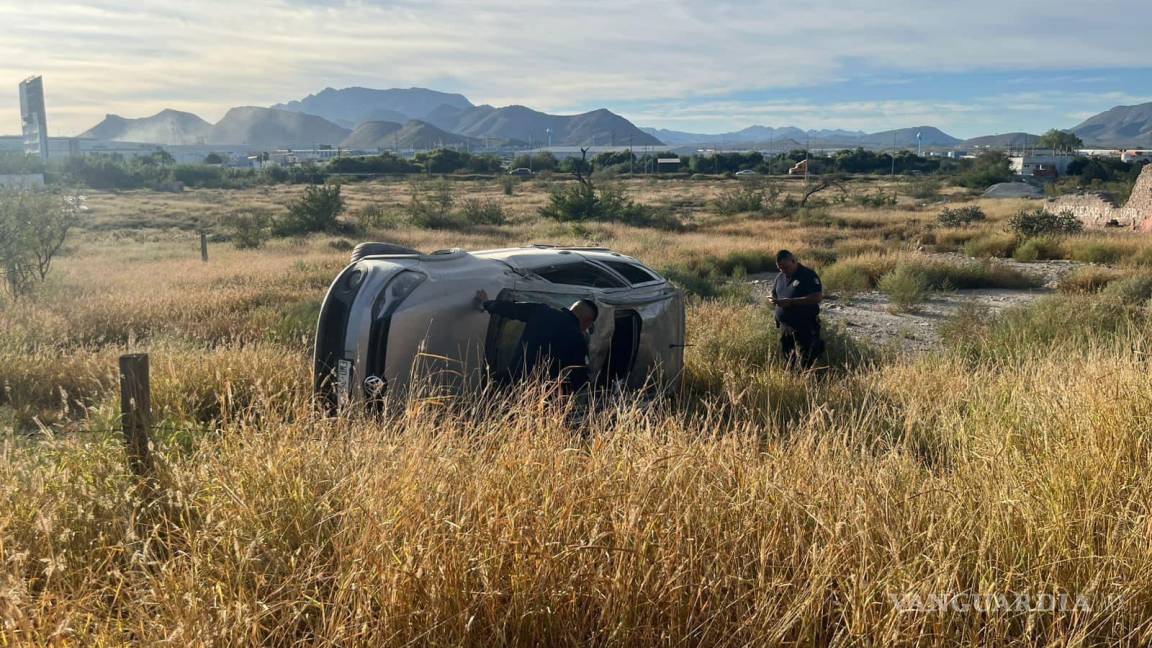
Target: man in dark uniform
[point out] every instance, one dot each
(551, 335)
(797, 294)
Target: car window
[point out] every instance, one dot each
(632, 272)
(580, 273)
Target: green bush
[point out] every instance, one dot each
(1094, 251)
(1131, 290)
(846, 278)
(991, 245)
(1088, 280)
(374, 217)
(906, 286)
(481, 211)
(583, 201)
(577, 202)
(744, 198)
(33, 227)
(1041, 221)
(924, 189)
(1038, 248)
(431, 205)
(250, 229)
(316, 211)
(957, 216)
(878, 199)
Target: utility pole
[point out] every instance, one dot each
(807, 154)
(893, 173)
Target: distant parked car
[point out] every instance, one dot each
(395, 312)
(522, 172)
(745, 173)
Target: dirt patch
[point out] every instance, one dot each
(871, 317)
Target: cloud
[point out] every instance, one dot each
(137, 57)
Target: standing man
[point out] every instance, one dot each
(796, 295)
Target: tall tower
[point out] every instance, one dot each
(33, 117)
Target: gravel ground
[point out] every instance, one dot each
(870, 316)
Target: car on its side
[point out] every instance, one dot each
(395, 315)
(522, 172)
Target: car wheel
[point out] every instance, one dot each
(372, 249)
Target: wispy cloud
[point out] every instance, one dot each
(137, 57)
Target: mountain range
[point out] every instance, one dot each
(413, 134)
(787, 137)
(1122, 125)
(420, 118)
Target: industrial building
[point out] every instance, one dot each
(33, 117)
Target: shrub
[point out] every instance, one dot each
(577, 202)
(1131, 290)
(250, 229)
(744, 198)
(431, 205)
(1038, 248)
(1088, 280)
(480, 211)
(906, 286)
(924, 189)
(991, 245)
(1096, 251)
(341, 245)
(1041, 221)
(316, 211)
(878, 199)
(846, 278)
(374, 217)
(508, 183)
(584, 202)
(957, 216)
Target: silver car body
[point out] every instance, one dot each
(390, 318)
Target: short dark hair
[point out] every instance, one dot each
(784, 255)
(588, 303)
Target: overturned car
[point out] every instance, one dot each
(394, 314)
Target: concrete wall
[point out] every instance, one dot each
(1096, 210)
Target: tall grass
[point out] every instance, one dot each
(755, 506)
(498, 523)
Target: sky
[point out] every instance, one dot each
(968, 67)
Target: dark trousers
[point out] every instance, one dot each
(801, 345)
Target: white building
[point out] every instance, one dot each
(1040, 165)
(1136, 155)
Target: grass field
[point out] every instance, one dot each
(754, 507)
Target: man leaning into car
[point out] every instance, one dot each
(552, 336)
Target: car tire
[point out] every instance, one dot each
(372, 249)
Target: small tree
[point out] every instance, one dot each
(250, 229)
(33, 227)
(1059, 140)
(316, 211)
(958, 216)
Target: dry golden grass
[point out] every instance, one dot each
(756, 507)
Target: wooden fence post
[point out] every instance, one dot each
(204, 246)
(136, 411)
